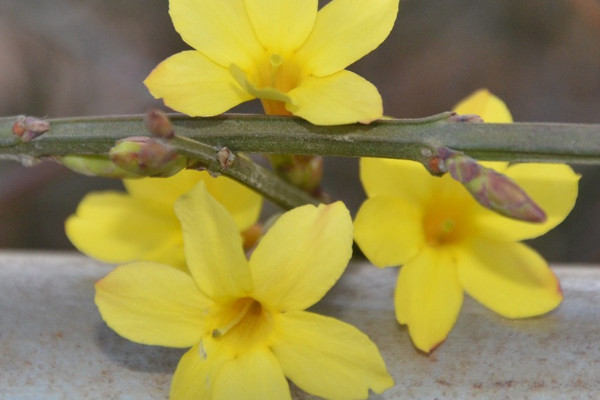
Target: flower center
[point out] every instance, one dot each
(442, 228)
(447, 217)
(242, 323)
(278, 72)
(445, 223)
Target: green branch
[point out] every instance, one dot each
(411, 139)
(245, 171)
(408, 139)
(200, 139)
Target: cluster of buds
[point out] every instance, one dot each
(147, 156)
(136, 156)
(490, 188)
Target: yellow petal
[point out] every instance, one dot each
(405, 178)
(329, 358)
(213, 246)
(302, 256)
(509, 278)
(116, 228)
(428, 297)
(389, 230)
(243, 204)
(152, 304)
(486, 105)
(194, 85)
(163, 190)
(192, 377)
(552, 186)
(220, 30)
(256, 375)
(346, 30)
(282, 26)
(341, 98)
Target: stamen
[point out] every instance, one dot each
(448, 226)
(217, 333)
(275, 60)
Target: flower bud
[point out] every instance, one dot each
(302, 171)
(158, 124)
(493, 190)
(147, 157)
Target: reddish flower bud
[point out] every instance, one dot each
(159, 124)
(147, 156)
(493, 190)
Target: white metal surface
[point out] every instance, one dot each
(53, 344)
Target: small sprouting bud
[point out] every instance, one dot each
(492, 189)
(454, 117)
(18, 128)
(28, 128)
(95, 165)
(302, 171)
(225, 157)
(159, 124)
(147, 156)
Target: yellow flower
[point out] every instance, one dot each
(448, 243)
(117, 227)
(283, 52)
(244, 319)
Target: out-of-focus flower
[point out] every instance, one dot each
(141, 224)
(284, 52)
(244, 319)
(448, 243)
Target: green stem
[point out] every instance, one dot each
(413, 139)
(245, 171)
(394, 138)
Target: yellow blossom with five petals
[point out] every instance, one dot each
(141, 224)
(447, 243)
(244, 319)
(287, 53)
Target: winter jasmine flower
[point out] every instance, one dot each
(448, 244)
(245, 320)
(287, 53)
(141, 224)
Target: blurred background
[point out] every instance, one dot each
(64, 58)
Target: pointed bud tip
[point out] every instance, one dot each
(501, 194)
(488, 187)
